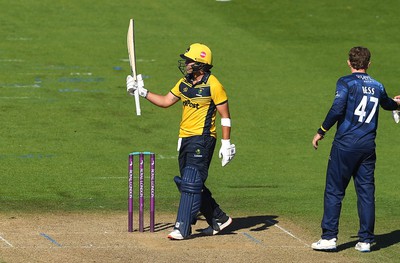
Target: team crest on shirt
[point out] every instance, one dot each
(199, 92)
(185, 89)
(198, 153)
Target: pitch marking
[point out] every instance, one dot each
(287, 232)
(5, 241)
(50, 239)
(255, 240)
(14, 97)
(160, 156)
(11, 60)
(109, 177)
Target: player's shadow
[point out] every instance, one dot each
(250, 223)
(387, 240)
(382, 241)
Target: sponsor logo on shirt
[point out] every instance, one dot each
(188, 103)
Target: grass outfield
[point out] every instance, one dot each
(68, 125)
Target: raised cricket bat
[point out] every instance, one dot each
(130, 40)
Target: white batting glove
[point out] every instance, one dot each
(396, 116)
(227, 151)
(132, 85)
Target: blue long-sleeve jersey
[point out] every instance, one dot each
(356, 109)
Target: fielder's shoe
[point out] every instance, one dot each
(396, 116)
(324, 244)
(209, 231)
(175, 235)
(363, 247)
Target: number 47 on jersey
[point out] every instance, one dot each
(360, 111)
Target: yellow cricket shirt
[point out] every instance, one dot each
(199, 105)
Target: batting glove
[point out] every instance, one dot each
(132, 85)
(227, 151)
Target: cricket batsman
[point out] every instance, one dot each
(202, 96)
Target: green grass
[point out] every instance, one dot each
(68, 125)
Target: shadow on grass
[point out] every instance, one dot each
(382, 241)
(250, 223)
(345, 246)
(253, 223)
(387, 240)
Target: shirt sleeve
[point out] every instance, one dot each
(338, 107)
(218, 93)
(386, 102)
(175, 90)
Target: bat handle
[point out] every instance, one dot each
(137, 103)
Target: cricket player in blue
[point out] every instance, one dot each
(355, 109)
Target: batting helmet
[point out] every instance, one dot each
(198, 53)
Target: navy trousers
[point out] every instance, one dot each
(197, 151)
(342, 166)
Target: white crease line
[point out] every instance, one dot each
(81, 73)
(120, 246)
(11, 60)
(287, 232)
(19, 38)
(109, 177)
(139, 60)
(20, 86)
(14, 97)
(160, 156)
(5, 241)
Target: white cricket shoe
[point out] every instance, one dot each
(324, 244)
(175, 235)
(209, 231)
(396, 116)
(363, 247)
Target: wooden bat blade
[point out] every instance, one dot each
(130, 40)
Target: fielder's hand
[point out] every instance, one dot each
(316, 139)
(227, 151)
(133, 85)
(396, 113)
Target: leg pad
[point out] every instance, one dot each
(190, 186)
